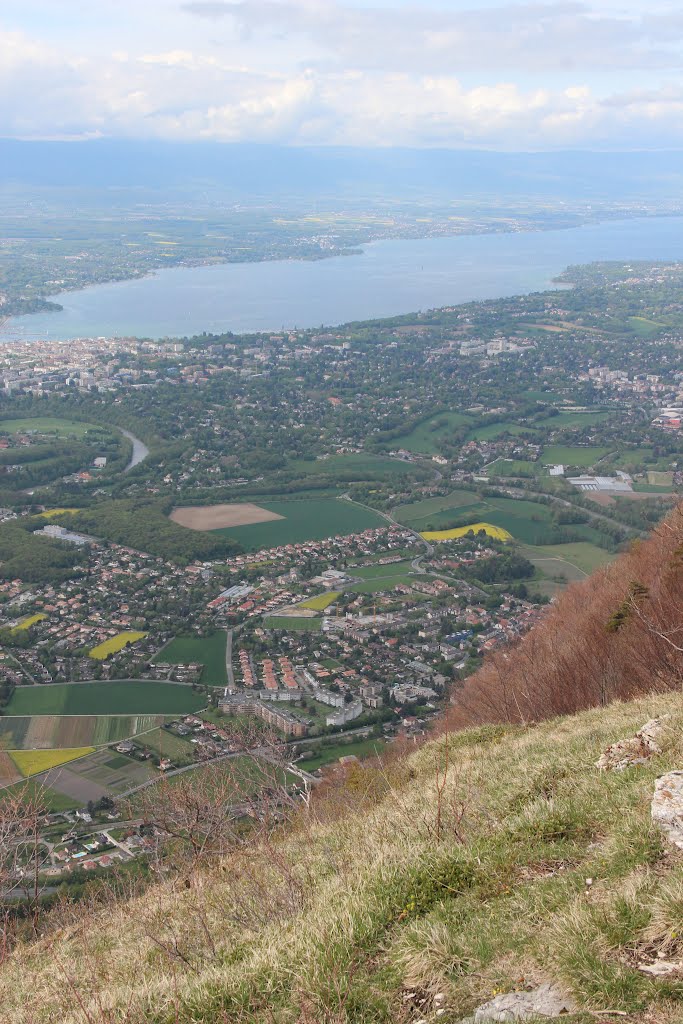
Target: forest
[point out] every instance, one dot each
(35, 559)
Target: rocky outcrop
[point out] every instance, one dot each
(635, 750)
(667, 806)
(545, 1001)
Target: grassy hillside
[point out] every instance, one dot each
(405, 892)
(492, 858)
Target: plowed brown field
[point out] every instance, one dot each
(219, 517)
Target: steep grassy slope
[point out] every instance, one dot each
(395, 889)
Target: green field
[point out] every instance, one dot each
(208, 651)
(493, 430)
(43, 732)
(167, 744)
(512, 467)
(314, 519)
(105, 698)
(575, 419)
(645, 328)
(547, 397)
(450, 517)
(419, 511)
(562, 419)
(361, 748)
(293, 623)
(49, 798)
(382, 583)
(637, 456)
(321, 601)
(381, 577)
(358, 466)
(528, 521)
(371, 572)
(427, 437)
(584, 557)
(572, 455)
(47, 425)
(642, 488)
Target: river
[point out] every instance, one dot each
(388, 278)
(140, 450)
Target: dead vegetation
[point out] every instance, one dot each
(614, 636)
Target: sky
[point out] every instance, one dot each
(599, 74)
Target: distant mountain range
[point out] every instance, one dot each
(277, 171)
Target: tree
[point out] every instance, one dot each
(22, 857)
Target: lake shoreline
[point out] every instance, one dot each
(387, 278)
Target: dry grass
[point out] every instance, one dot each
(459, 869)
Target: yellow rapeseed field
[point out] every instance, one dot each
(29, 621)
(322, 601)
(52, 513)
(115, 644)
(497, 532)
(32, 762)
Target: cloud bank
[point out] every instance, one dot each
(509, 76)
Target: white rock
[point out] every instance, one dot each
(637, 750)
(667, 806)
(546, 1001)
(662, 968)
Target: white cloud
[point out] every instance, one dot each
(524, 75)
(531, 36)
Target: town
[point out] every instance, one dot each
(217, 547)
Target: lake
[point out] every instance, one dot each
(388, 278)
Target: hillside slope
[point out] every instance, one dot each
(462, 870)
(614, 636)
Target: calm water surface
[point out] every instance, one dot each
(389, 278)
